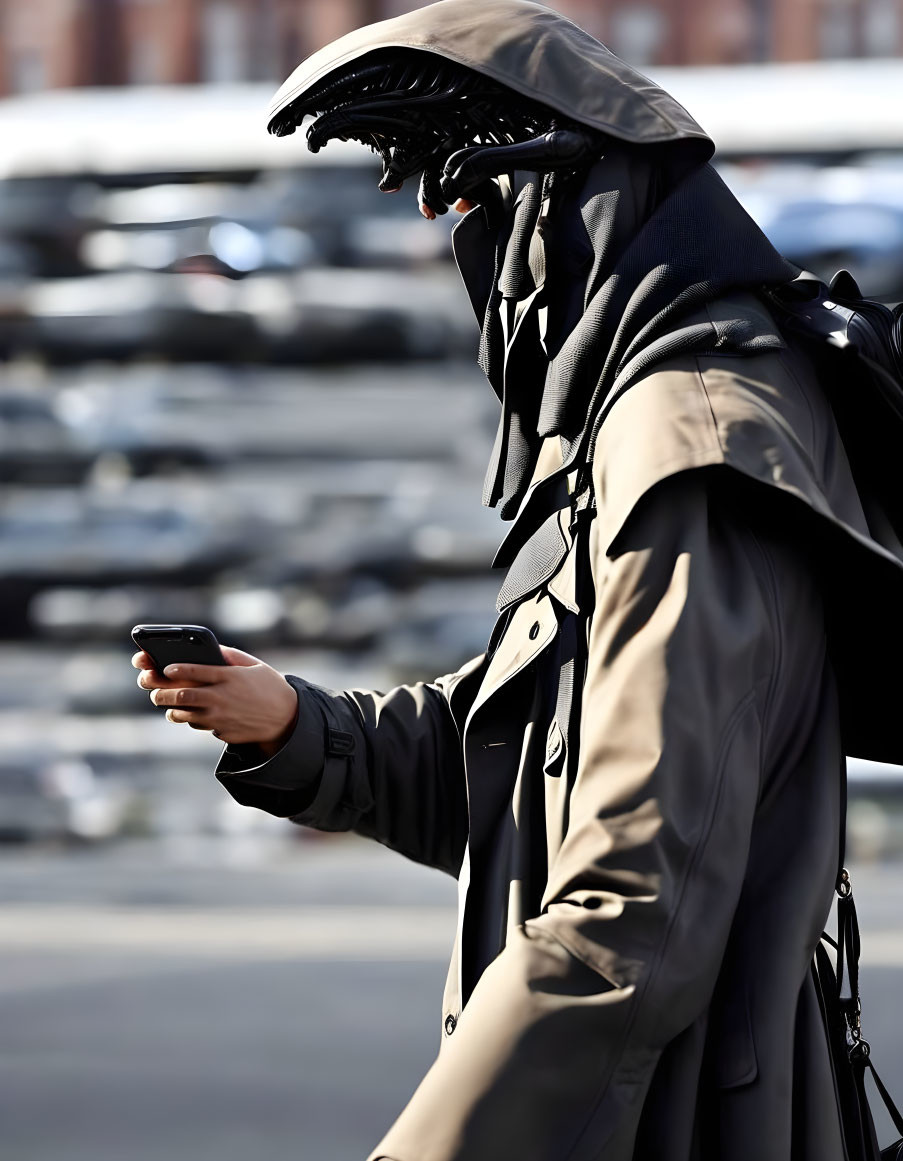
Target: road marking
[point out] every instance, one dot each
(309, 932)
(347, 933)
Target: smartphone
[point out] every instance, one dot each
(165, 644)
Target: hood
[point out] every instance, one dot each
(529, 48)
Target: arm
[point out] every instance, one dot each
(556, 1047)
(387, 766)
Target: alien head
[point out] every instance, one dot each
(465, 90)
(425, 114)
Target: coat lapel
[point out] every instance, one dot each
(532, 626)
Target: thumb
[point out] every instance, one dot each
(238, 656)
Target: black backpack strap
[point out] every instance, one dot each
(847, 998)
(892, 1109)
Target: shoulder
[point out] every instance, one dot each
(760, 414)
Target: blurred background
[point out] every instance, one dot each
(238, 387)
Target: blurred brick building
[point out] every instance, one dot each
(53, 43)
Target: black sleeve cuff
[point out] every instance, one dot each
(286, 783)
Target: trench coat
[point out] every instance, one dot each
(640, 899)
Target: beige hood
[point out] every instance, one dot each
(531, 49)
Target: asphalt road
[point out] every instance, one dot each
(231, 999)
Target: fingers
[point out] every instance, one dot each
(196, 698)
(431, 201)
(151, 679)
(184, 706)
(466, 179)
(185, 671)
(242, 701)
(189, 717)
(460, 174)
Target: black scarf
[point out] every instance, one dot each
(592, 279)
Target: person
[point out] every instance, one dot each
(638, 785)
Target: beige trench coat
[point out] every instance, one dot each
(630, 974)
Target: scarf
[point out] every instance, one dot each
(592, 279)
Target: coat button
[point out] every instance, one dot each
(534, 631)
(450, 1024)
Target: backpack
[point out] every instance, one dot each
(856, 344)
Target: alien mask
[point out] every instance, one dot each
(425, 114)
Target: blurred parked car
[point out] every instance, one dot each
(59, 537)
(825, 236)
(162, 227)
(319, 315)
(36, 447)
(831, 217)
(48, 794)
(116, 316)
(347, 431)
(377, 239)
(40, 226)
(340, 316)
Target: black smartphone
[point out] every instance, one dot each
(166, 644)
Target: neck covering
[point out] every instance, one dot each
(593, 279)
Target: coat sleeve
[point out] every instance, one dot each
(555, 1049)
(385, 765)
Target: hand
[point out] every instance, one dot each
(246, 701)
